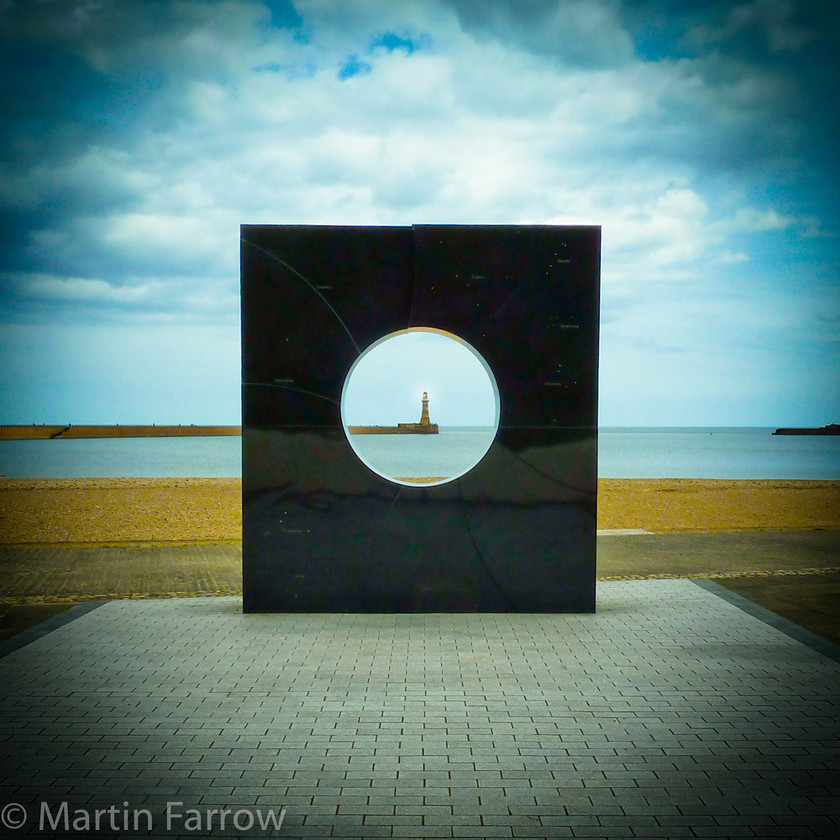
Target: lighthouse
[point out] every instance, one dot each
(424, 414)
(424, 427)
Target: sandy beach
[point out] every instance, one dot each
(75, 511)
(689, 505)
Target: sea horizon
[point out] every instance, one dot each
(728, 452)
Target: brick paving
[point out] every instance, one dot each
(670, 713)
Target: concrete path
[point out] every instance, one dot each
(56, 572)
(670, 713)
(722, 554)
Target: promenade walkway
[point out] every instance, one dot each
(678, 710)
(793, 573)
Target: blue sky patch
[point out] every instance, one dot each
(392, 41)
(354, 66)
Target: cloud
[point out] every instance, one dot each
(82, 290)
(771, 18)
(484, 131)
(142, 134)
(752, 219)
(41, 298)
(580, 33)
(105, 172)
(481, 132)
(728, 256)
(119, 36)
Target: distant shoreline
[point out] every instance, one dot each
(45, 432)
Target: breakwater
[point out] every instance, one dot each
(45, 432)
(401, 429)
(831, 429)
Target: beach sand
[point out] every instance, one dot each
(688, 505)
(118, 510)
(54, 511)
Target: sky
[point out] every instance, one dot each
(137, 135)
(387, 383)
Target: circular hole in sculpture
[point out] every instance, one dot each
(420, 407)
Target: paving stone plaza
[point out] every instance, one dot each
(672, 712)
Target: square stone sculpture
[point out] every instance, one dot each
(322, 531)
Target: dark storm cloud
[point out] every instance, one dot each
(113, 35)
(767, 68)
(91, 95)
(776, 25)
(749, 83)
(580, 33)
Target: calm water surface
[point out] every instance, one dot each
(451, 453)
(130, 457)
(739, 453)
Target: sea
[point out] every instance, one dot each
(734, 453)
(451, 453)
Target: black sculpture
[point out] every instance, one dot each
(322, 532)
